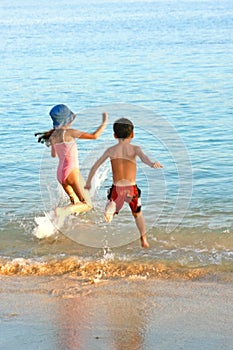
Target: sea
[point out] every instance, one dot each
(164, 64)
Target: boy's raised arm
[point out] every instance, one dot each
(94, 168)
(146, 159)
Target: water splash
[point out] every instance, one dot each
(45, 228)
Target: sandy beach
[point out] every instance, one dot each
(66, 313)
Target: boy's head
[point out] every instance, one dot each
(123, 128)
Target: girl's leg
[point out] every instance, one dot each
(78, 204)
(73, 182)
(69, 190)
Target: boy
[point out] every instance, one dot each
(124, 189)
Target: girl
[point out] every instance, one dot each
(62, 141)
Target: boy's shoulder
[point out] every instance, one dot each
(118, 148)
(111, 148)
(136, 147)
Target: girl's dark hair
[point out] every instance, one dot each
(123, 128)
(45, 137)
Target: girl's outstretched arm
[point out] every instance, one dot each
(90, 136)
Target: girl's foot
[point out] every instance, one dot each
(80, 207)
(144, 242)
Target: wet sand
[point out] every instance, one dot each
(60, 313)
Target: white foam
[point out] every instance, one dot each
(45, 227)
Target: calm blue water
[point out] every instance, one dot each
(167, 65)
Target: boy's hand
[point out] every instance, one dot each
(105, 118)
(157, 165)
(87, 186)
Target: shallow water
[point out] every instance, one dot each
(167, 66)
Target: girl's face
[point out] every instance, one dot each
(69, 124)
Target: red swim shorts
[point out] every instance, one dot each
(129, 194)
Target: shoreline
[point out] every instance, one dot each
(107, 270)
(64, 312)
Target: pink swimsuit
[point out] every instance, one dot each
(68, 159)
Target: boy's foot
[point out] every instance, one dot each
(110, 211)
(144, 242)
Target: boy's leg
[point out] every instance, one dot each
(110, 211)
(135, 205)
(140, 222)
(114, 203)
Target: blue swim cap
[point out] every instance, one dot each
(61, 115)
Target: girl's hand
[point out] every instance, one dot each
(105, 118)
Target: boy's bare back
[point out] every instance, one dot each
(123, 162)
